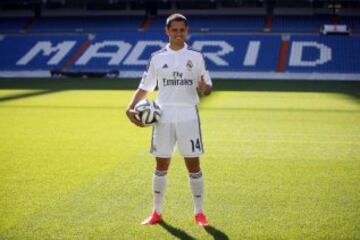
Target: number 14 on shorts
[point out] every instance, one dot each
(195, 144)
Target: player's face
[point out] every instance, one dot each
(177, 32)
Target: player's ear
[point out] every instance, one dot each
(167, 30)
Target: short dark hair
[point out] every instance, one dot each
(176, 17)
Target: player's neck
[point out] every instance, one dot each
(176, 47)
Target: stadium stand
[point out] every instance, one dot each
(352, 21)
(300, 24)
(13, 24)
(218, 23)
(234, 45)
(87, 24)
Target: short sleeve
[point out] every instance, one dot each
(204, 72)
(148, 80)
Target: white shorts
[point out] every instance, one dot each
(178, 126)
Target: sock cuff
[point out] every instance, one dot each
(160, 173)
(195, 175)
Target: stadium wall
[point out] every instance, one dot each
(230, 56)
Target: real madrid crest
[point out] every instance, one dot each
(189, 65)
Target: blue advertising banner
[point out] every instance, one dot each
(226, 55)
(38, 52)
(327, 54)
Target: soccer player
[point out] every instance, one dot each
(180, 74)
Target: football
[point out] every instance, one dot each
(148, 112)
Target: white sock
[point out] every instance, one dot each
(159, 185)
(197, 189)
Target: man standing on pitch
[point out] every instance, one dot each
(180, 74)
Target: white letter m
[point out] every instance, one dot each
(46, 48)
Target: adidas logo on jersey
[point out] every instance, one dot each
(165, 66)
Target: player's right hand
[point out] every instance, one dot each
(130, 113)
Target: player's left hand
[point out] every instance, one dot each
(204, 89)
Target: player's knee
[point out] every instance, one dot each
(193, 169)
(192, 164)
(162, 164)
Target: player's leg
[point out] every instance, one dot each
(191, 147)
(162, 146)
(163, 143)
(159, 182)
(158, 186)
(196, 182)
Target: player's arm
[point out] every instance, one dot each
(139, 95)
(147, 84)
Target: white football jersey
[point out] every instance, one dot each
(177, 74)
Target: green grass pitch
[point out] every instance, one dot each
(278, 165)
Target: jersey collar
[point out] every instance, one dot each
(177, 51)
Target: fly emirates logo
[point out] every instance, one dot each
(177, 80)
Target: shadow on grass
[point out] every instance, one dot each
(176, 232)
(351, 88)
(216, 233)
(27, 95)
(69, 83)
(181, 234)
